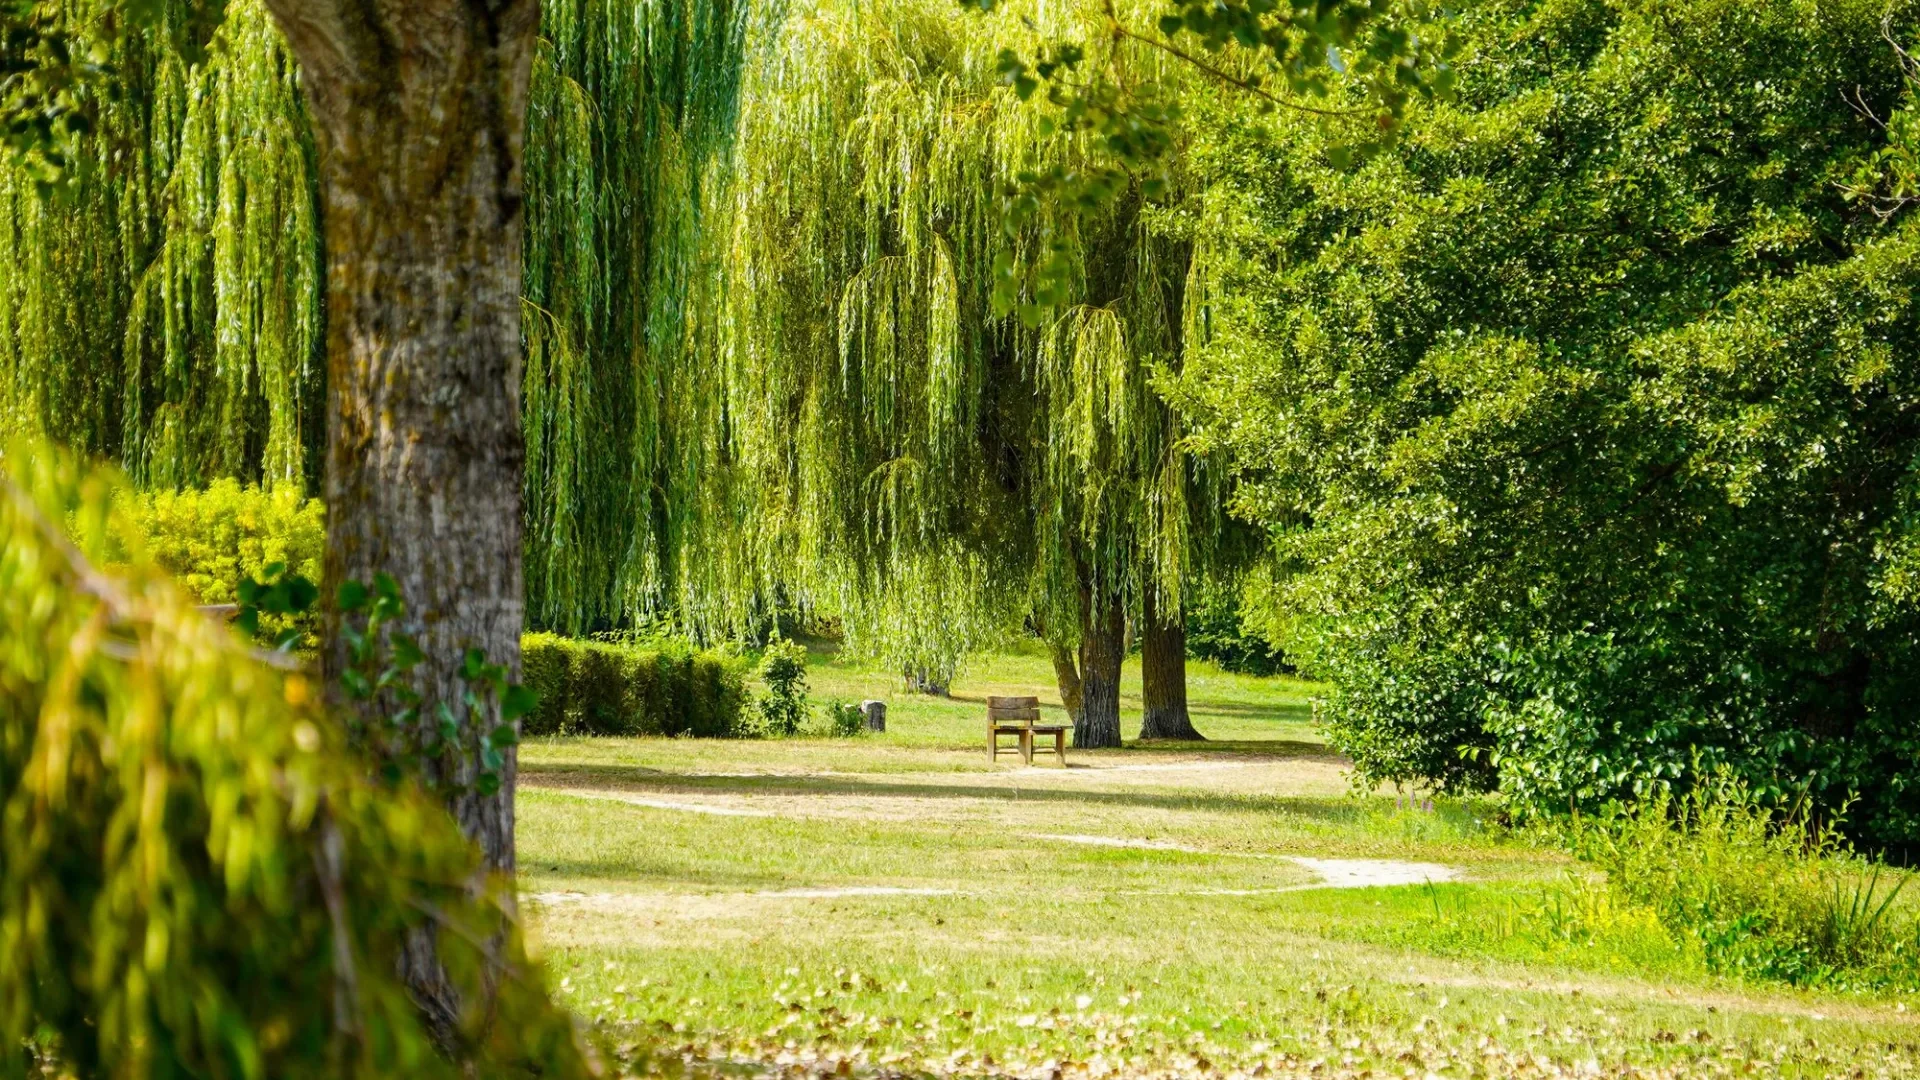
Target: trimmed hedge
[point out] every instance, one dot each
(593, 688)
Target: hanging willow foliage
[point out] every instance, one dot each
(164, 306)
(762, 364)
(888, 424)
(631, 103)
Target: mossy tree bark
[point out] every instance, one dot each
(419, 112)
(1163, 672)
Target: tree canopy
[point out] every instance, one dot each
(1578, 420)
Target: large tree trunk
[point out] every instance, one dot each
(1103, 648)
(419, 110)
(1163, 673)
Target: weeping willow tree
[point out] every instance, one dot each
(885, 421)
(633, 100)
(164, 306)
(761, 363)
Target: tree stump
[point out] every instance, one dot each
(875, 713)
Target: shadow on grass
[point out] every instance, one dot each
(1297, 712)
(1276, 750)
(561, 777)
(620, 868)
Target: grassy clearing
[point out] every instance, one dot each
(895, 902)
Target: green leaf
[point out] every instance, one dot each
(301, 594)
(406, 651)
(518, 701)
(359, 646)
(504, 735)
(350, 596)
(356, 683)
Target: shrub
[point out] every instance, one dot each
(783, 671)
(211, 539)
(844, 719)
(197, 877)
(1760, 893)
(602, 688)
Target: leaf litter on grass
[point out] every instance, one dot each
(831, 825)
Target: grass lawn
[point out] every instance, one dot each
(895, 903)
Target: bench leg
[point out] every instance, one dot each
(1060, 747)
(1026, 747)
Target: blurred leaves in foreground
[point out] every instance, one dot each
(196, 875)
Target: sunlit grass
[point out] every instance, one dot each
(895, 900)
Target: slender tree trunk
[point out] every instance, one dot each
(1067, 674)
(1103, 648)
(923, 680)
(419, 110)
(1163, 673)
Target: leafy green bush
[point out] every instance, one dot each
(197, 877)
(212, 539)
(602, 688)
(783, 672)
(1760, 893)
(844, 719)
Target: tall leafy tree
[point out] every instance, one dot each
(418, 111)
(1579, 420)
(940, 466)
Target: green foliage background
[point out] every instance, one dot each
(1578, 423)
(163, 306)
(1584, 421)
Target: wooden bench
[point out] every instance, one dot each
(1020, 716)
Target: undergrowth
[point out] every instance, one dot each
(1756, 890)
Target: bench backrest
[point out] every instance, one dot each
(1013, 710)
